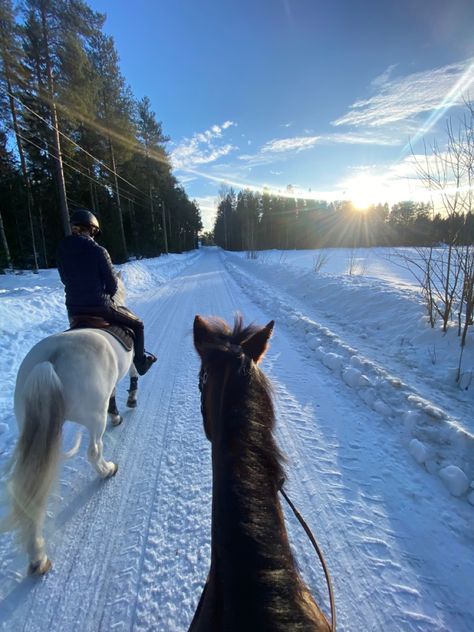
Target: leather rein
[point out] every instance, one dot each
(316, 547)
(203, 377)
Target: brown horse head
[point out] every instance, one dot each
(224, 351)
(253, 583)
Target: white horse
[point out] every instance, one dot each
(67, 376)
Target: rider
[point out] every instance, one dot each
(90, 282)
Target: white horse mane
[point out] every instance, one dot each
(119, 296)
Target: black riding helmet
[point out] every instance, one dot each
(84, 217)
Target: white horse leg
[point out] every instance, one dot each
(104, 468)
(133, 389)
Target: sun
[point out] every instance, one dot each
(363, 191)
(361, 203)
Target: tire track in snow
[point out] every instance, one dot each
(178, 561)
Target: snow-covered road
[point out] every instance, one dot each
(132, 553)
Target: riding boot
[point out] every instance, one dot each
(144, 363)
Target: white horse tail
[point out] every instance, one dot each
(37, 454)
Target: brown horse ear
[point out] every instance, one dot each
(256, 346)
(202, 333)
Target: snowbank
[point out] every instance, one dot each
(377, 316)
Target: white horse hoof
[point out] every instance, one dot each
(40, 568)
(116, 420)
(114, 471)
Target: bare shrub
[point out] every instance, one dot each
(320, 260)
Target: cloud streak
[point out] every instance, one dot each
(297, 143)
(278, 150)
(405, 98)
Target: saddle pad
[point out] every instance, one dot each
(122, 334)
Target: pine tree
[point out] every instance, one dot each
(10, 72)
(156, 167)
(114, 116)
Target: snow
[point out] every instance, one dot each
(378, 434)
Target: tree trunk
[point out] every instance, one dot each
(43, 240)
(163, 214)
(133, 222)
(153, 219)
(119, 204)
(26, 180)
(58, 161)
(3, 238)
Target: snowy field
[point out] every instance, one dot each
(379, 437)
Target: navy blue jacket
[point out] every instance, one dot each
(86, 270)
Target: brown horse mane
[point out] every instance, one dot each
(248, 421)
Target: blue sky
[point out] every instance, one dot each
(323, 96)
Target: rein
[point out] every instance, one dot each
(316, 547)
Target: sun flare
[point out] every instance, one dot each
(361, 203)
(365, 190)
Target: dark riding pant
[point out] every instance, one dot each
(118, 315)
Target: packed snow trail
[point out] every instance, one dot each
(132, 553)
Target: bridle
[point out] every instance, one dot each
(203, 379)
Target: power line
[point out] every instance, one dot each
(70, 139)
(85, 175)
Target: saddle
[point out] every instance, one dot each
(85, 321)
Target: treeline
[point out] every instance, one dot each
(72, 134)
(259, 221)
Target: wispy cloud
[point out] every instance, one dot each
(365, 138)
(204, 147)
(278, 149)
(407, 97)
(380, 80)
(281, 149)
(297, 143)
